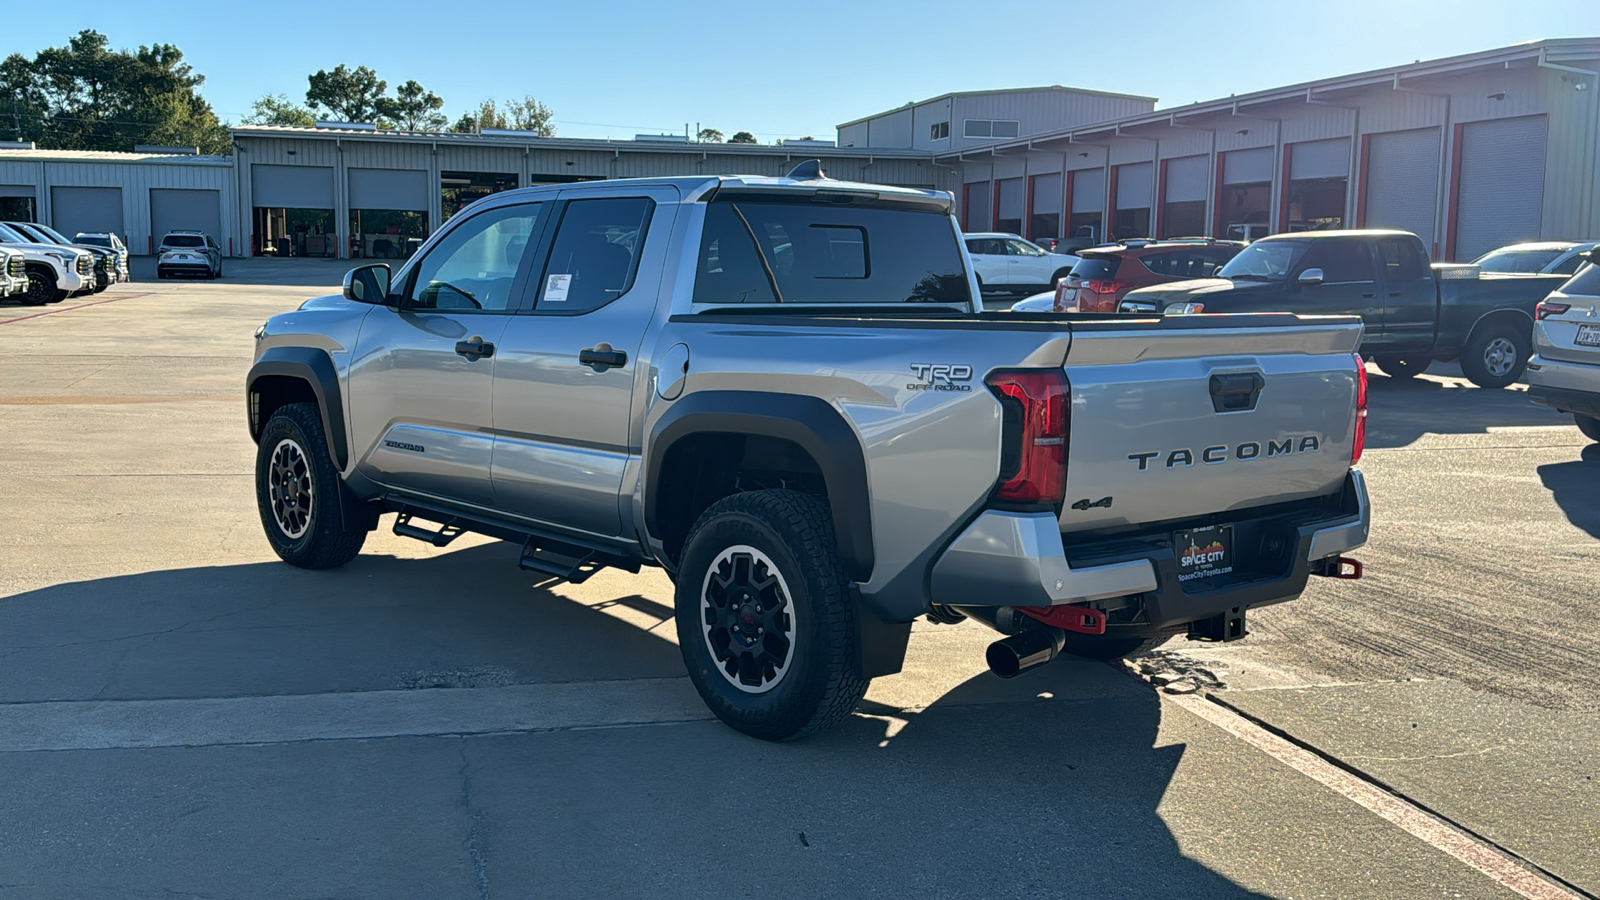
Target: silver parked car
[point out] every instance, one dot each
(1565, 370)
(1537, 258)
(188, 253)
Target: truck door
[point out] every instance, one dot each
(1349, 285)
(1410, 297)
(421, 383)
(567, 370)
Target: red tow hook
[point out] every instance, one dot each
(1081, 619)
(1340, 570)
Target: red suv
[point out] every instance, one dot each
(1104, 274)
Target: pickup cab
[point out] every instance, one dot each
(782, 392)
(1414, 313)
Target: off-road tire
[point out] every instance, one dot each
(1589, 425)
(1488, 344)
(819, 685)
(1401, 367)
(1111, 646)
(324, 542)
(41, 289)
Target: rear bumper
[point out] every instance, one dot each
(1566, 386)
(1018, 559)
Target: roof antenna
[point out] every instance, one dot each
(808, 170)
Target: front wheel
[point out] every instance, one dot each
(1401, 366)
(1496, 355)
(298, 492)
(764, 616)
(1589, 425)
(41, 289)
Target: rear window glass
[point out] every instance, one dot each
(92, 239)
(765, 251)
(1586, 282)
(1091, 268)
(183, 240)
(1518, 261)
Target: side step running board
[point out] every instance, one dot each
(557, 556)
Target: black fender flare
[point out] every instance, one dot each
(315, 368)
(810, 422)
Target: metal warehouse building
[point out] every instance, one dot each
(1470, 153)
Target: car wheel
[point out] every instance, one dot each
(766, 560)
(1589, 425)
(1060, 274)
(1496, 355)
(1401, 366)
(41, 288)
(1110, 646)
(298, 492)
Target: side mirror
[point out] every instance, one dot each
(367, 284)
(1310, 277)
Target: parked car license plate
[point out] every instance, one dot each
(1589, 335)
(1204, 552)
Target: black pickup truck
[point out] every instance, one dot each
(1414, 313)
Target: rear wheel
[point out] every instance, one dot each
(298, 492)
(1401, 366)
(1589, 425)
(765, 620)
(1496, 355)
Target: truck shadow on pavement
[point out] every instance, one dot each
(1575, 486)
(1402, 410)
(994, 790)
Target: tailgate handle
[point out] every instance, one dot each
(1237, 392)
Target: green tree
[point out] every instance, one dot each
(710, 136)
(742, 137)
(349, 95)
(413, 108)
(529, 114)
(485, 116)
(278, 109)
(86, 96)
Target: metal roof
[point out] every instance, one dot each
(569, 144)
(1556, 53)
(1001, 91)
(181, 159)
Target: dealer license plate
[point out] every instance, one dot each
(1589, 335)
(1204, 552)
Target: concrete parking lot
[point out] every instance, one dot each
(182, 715)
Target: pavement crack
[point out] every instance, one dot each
(1427, 756)
(475, 816)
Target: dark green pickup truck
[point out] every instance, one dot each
(1414, 313)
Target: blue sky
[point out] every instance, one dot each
(788, 69)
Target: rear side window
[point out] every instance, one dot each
(1199, 262)
(986, 247)
(1567, 266)
(595, 253)
(1401, 259)
(774, 251)
(1340, 260)
(1586, 282)
(1096, 268)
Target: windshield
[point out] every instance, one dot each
(774, 251)
(11, 235)
(1265, 260)
(51, 233)
(1527, 262)
(92, 239)
(183, 240)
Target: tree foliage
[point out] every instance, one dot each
(526, 114)
(278, 109)
(349, 95)
(413, 108)
(742, 137)
(710, 136)
(86, 96)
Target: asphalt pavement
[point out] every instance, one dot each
(181, 715)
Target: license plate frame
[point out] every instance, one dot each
(1203, 552)
(1588, 335)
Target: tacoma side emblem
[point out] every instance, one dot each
(940, 377)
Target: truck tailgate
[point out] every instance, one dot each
(1177, 423)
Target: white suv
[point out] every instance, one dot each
(1565, 370)
(188, 253)
(1009, 262)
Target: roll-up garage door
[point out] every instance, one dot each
(173, 209)
(1320, 159)
(1403, 182)
(75, 209)
(16, 190)
(292, 187)
(1186, 179)
(976, 214)
(1046, 194)
(1012, 198)
(1133, 185)
(388, 189)
(1089, 191)
(1247, 166)
(1502, 185)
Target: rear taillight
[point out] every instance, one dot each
(1106, 287)
(1546, 309)
(1360, 442)
(1033, 466)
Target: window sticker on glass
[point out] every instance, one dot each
(555, 288)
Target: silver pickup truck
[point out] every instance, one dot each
(782, 391)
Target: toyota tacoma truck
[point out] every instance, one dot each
(1414, 313)
(781, 390)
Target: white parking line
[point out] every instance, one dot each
(1500, 866)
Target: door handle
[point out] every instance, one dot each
(1394, 293)
(601, 357)
(1371, 295)
(474, 348)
